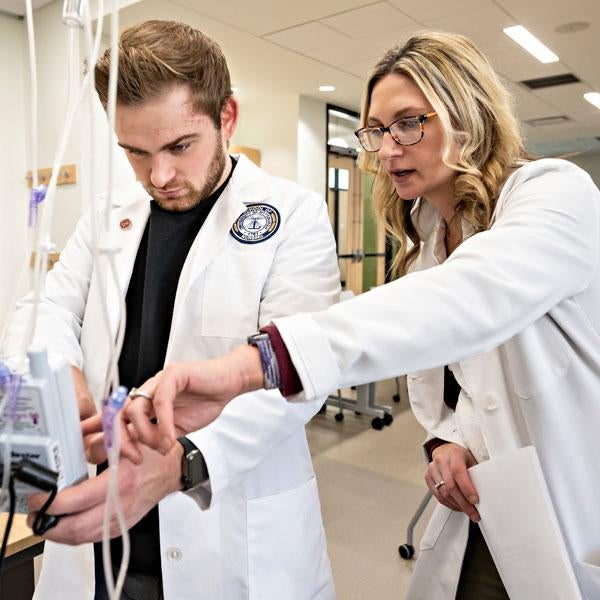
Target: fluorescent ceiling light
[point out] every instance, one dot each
(593, 98)
(527, 40)
(327, 88)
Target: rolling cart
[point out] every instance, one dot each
(364, 404)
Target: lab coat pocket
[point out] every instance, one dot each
(287, 555)
(537, 357)
(232, 292)
(436, 525)
(588, 575)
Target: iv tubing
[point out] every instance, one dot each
(102, 247)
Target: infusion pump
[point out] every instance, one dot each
(46, 430)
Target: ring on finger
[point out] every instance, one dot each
(139, 393)
(439, 484)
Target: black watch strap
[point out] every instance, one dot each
(193, 466)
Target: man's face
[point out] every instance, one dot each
(177, 154)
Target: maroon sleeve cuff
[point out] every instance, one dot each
(431, 445)
(290, 381)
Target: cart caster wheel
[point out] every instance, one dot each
(396, 397)
(377, 423)
(406, 551)
(388, 419)
(339, 417)
(357, 413)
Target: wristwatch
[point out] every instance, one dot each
(268, 360)
(193, 466)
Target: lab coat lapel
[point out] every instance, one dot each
(127, 228)
(214, 232)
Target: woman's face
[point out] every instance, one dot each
(416, 170)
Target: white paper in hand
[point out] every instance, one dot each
(520, 528)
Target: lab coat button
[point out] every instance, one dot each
(174, 554)
(490, 403)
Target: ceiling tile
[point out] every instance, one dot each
(369, 20)
(530, 106)
(566, 131)
(473, 22)
(433, 9)
(511, 61)
(360, 69)
(307, 37)
(395, 37)
(530, 11)
(569, 99)
(580, 51)
(346, 53)
(262, 17)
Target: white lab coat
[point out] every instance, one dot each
(262, 536)
(519, 307)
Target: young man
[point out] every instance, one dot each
(211, 248)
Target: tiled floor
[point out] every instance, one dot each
(370, 484)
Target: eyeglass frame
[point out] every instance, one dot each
(420, 118)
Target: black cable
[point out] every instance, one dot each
(42, 521)
(11, 514)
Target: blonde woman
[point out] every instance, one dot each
(497, 310)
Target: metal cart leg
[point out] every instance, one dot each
(407, 551)
(396, 396)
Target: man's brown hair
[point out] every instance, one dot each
(155, 56)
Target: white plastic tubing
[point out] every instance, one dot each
(75, 14)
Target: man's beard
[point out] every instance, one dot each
(193, 196)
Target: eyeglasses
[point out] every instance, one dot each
(406, 132)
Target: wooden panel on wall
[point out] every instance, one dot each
(252, 153)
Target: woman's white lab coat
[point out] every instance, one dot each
(262, 536)
(518, 306)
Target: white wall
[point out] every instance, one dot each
(270, 124)
(291, 132)
(52, 51)
(312, 148)
(13, 166)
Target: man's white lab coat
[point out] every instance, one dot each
(261, 536)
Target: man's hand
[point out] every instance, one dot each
(140, 488)
(449, 465)
(93, 441)
(189, 396)
(87, 408)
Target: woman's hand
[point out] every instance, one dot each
(447, 477)
(189, 396)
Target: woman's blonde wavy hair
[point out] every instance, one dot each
(476, 112)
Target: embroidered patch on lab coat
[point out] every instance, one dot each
(256, 224)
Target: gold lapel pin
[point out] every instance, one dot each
(125, 224)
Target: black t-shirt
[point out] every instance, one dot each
(150, 298)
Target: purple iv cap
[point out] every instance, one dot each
(5, 374)
(38, 194)
(110, 410)
(12, 389)
(118, 397)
